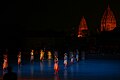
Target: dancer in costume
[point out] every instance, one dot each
(49, 55)
(5, 63)
(77, 55)
(83, 55)
(72, 57)
(56, 67)
(19, 58)
(65, 60)
(41, 55)
(32, 56)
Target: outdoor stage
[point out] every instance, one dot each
(90, 69)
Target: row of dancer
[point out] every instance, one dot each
(72, 57)
(5, 58)
(72, 60)
(42, 53)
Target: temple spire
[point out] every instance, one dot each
(108, 21)
(82, 28)
(108, 8)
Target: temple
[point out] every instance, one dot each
(82, 28)
(108, 22)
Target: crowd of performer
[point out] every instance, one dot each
(73, 57)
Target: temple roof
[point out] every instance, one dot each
(82, 27)
(108, 21)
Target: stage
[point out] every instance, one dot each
(90, 69)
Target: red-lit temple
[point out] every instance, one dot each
(108, 21)
(82, 28)
(107, 36)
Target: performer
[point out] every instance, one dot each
(77, 55)
(5, 63)
(41, 55)
(32, 55)
(56, 67)
(83, 55)
(72, 57)
(19, 58)
(49, 55)
(65, 60)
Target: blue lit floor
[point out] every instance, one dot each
(83, 70)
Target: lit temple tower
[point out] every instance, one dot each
(82, 31)
(108, 21)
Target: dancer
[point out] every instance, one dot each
(32, 56)
(56, 67)
(65, 60)
(5, 63)
(83, 55)
(49, 55)
(77, 55)
(19, 58)
(72, 57)
(41, 55)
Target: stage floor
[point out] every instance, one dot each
(83, 70)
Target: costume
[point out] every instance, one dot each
(65, 59)
(41, 55)
(32, 56)
(83, 55)
(56, 67)
(19, 58)
(77, 55)
(72, 57)
(5, 63)
(49, 55)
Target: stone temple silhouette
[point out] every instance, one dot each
(83, 29)
(108, 21)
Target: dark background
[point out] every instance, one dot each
(44, 19)
(50, 23)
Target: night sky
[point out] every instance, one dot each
(18, 18)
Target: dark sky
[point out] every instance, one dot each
(56, 15)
